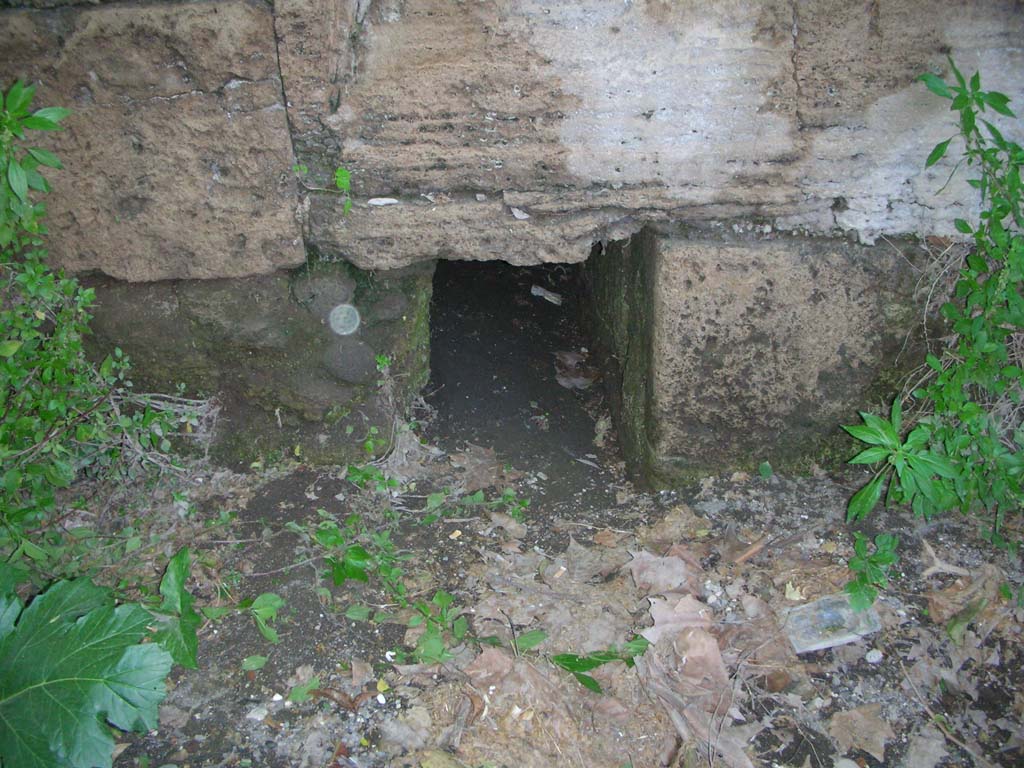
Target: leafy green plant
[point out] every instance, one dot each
(60, 415)
(443, 623)
(959, 448)
(370, 476)
(253, 663)
(580, 665)
(178, 620)
(342, 184)
(871, 569)
(519, 642)
(68, 662)
(264, 610)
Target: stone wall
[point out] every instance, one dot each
(177, 151)
(525, 131)
(596, 117)
(265, 347)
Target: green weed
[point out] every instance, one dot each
(959, 446)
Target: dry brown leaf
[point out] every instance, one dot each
(489, 668)
(571, 371)
(672, 616)
(691, 722)
(613, 709)
(586, 563)
(680, 524)
(861, 728)
(606, 537)
(654, 574)
(362, 672)
(481, 468)
(700, 672)
(927, 749)
(510, 525)
(946, 603)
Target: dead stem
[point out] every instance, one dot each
(935, 719)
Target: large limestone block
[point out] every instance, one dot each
(598, 116)
(178, 156)
(760, 348)
(287, 383)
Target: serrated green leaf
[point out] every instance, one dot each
(268, 632)
(172, 585)
(936, 85)
(866, 434)
(301, 693)
(861, 594)
(177, 636)
(998, 102)
(343, 179)
(72, 659)
(9, 347)
(17, 179)
(53, 114)
(896, 415)
(267, 605)
(10, 608)
(430, 648)
(531, 639)
(939, 465)
(45, 157)
(588, 682)
(636, 647)
(358, 613)
(871, 455)
(177, 632)
(216, 612)
(937, 153)
(19, 97)
(864, 500)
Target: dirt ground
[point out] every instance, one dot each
(709, 576)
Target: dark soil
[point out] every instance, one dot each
(500, 418)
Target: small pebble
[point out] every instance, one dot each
(381, 699)
(874, 656)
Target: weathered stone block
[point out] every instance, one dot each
(261, 345)
(735, 350)
(595, 118)
(177, 153)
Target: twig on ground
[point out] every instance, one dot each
(938, 721)
(937, 565)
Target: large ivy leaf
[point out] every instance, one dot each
(71, 661)
(177, 633)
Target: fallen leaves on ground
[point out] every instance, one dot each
(480, 469)
(861, 728)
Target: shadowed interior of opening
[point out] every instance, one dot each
(511, 370)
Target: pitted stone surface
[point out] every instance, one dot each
(596, 117)
(592, 117)
(177, 153)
